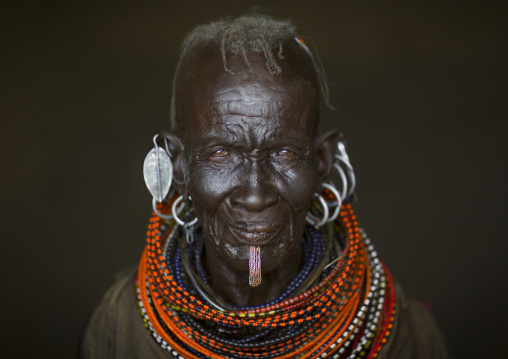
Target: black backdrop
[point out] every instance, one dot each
(421, 96)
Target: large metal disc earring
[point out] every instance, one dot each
(158, 174)
(315, 221)
(158, 171)
(175, 212)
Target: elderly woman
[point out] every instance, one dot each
(252, 251)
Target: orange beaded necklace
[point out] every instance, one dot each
(349, 312)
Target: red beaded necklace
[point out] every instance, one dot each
(349, 313)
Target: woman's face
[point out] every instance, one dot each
(252, 166)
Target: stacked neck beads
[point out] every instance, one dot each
(313, 251)
(348, 313)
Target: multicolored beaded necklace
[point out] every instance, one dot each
(346, 310)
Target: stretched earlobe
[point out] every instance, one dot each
(326, 147)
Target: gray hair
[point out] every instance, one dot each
(245, 35)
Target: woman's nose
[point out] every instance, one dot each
(254, 192)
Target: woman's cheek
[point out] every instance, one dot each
(209, 187)
(297, 186)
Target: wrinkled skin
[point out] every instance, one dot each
(247, 154)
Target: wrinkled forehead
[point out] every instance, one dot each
(209, 84)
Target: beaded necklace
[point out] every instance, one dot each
(313, 246)
(347, 310)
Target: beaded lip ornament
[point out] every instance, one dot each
(340, 305)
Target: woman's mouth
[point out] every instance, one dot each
(254, 234)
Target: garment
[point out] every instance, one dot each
(116, 329)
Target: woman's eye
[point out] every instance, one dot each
(285, 153)
(219, 155)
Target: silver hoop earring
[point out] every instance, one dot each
(166, 216)
(339, 201)
(161, 215)
(174, 211)
(342, 157)
(343, 179)
(313, 220)
(158, 171)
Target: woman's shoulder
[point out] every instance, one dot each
(116, 328)
(415, 334)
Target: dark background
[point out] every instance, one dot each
(420, 91)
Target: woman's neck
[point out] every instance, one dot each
(233, 286)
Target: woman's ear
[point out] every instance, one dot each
(176, 148)
(326, 147)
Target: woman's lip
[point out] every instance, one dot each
(255, 228)
(254, 235)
